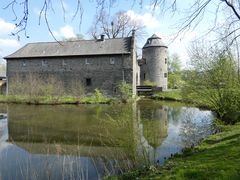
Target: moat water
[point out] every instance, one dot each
(94, 141)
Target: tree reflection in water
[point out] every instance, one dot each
(195, 126)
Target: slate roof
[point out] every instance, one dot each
(74, 48)
(154, 41)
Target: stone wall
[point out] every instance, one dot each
(103, 72)
(154, 66)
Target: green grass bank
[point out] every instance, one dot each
(217, 157)
(54, 100)
(174, 95)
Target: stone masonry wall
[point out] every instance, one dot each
(103, 72)
(154, 67)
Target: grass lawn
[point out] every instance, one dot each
(174, 95)
(217, 157)
(54, 100)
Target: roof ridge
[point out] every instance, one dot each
(79, 47)
(97, 40)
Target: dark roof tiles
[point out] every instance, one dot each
(74, 48)
(154, 41)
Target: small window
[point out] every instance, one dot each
(44, 62)
(88, 81)
(24, 63)
(64, 63)
(112, 61)
(165, 75)
(144, 76)
(165, 60)
(87, 61)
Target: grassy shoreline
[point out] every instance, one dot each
(54, 100)
(175, 95)
(217, 157)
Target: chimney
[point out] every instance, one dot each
(102, 37)
(133, 33)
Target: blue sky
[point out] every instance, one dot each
(162, 25)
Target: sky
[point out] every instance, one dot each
(64, 26)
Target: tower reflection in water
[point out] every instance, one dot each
(152, 130)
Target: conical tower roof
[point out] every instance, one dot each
(154, 41)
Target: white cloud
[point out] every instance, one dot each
(8, 46)
(65, 32)
(9, 43)
(147, 19)
(6, 27)
(65, 6)
(179, 45)
(36, 11)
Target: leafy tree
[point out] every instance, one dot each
(174, 63)
(174, 72)
(2, 69)
(213, 82)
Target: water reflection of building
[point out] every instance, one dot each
(76, 139)
(3, 123)
(153, 127)
(89, 131)
(69, 130)
(3, 128)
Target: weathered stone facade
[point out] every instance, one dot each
(94, 70)
(103, 72)
(154, 62)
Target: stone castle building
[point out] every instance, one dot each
(101, 63)
(154, 62)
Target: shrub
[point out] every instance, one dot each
(98, 95)
(125, 90)
(217, 87)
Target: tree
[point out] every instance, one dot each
(174, 72)
(213, 80)
(174, 63)
(119, 25)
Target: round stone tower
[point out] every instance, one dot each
(154, 62)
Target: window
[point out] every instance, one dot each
(44, 62)
(87, 61)
(112, 61)
(144, 76)
(24, 63)
(88, 81)
(64, 63)
(165, 60)
(165, 75)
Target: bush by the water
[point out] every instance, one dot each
(125, 90)
(215, 83)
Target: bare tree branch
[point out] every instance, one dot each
(120, 25)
